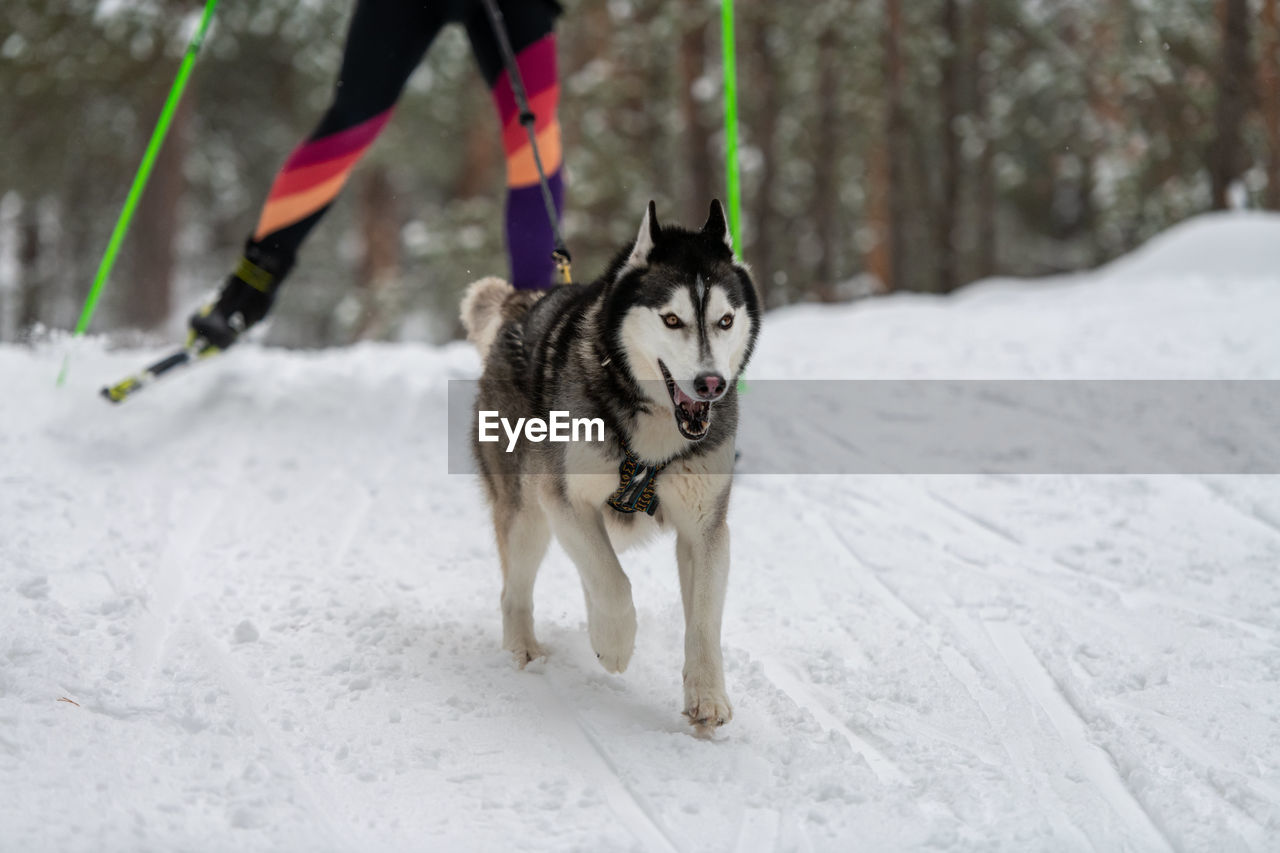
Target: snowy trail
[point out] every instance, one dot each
(278, 614)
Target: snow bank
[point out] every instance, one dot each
(1216, 245)
(1199, 302)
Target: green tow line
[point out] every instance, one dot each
(140, 179)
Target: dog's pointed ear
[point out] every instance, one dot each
(716, 226)
(645, 240)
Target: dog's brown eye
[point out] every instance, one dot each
(672, 321)
(726, 321)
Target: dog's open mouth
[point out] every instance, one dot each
(693, 417)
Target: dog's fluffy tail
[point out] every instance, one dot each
(482, 311)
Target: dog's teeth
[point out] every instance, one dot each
(686, 426)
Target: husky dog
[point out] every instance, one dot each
(653, 348)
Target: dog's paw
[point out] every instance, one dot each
(707, 708)
(524, 650)
(613, 638)
(526, 655)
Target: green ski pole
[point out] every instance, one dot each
(140, 179)
(731, 122)
(731, 135)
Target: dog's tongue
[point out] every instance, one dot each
(694, 413)
(682, 399)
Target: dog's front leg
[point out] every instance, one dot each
(611, 614)
(703, 560)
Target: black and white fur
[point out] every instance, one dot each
(654, 348)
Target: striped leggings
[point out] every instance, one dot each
(386, 41)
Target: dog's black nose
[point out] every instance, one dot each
(709, 386)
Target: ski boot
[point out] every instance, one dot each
(245, 298)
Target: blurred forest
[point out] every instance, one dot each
(887, 146)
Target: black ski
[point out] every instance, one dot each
(198, 350)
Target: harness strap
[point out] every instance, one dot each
(637, 486)
(527, 118)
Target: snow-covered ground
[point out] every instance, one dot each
(273, 616)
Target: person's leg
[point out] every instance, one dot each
(385, 42)
(529, 27)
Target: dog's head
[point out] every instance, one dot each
(684, 316)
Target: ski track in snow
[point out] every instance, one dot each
(1019, 746)
(808, 697)
(1252, 512)
(278, 617)
(321, 803)
(575, 736)
(166, 588)
(1066, 720)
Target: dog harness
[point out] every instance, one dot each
(637, 485)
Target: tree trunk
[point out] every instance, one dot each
(379, 270)
(483, 154)
(700, 186)
(984, 180)
(1100, 41)
(765, 132)
(580, 44)
(29, 292)
(949, 163)
(1269, 88)
(826, 195)
(895, 139)
(1228, 159)
(149, 294)
(879, 257)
